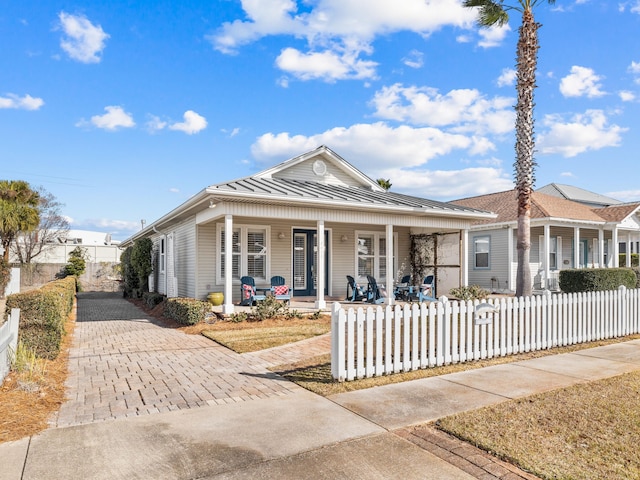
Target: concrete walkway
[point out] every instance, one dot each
(148, 402)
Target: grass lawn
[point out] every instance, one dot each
(587, 431)
(252, 336)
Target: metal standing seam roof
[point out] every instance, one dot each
(300, 189)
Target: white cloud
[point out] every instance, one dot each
(337, 32)
(626, 96)
(567, 174)
(82, 40)
(327, 65)
(448, 184)
(109, 224)
(114, 119)
(507, 77)
(155, 124)
(375, 145)
(415, 59)
(625, 195)
(582, 81)
(634, 67)
(193, 123)
(26, 102)
(583, 132)
(174, 190)
(463, 110)
(493, 36)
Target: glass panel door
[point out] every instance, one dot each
(305, 260)
(299, 261)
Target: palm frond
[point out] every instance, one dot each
(490, 12)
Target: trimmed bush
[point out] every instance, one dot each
(186, 311)
(472, 292)
(596, 279)
(43, 313)
(152, 299)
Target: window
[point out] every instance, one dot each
(248, 254)
(162, 255)
(371, 253)
(481, 251)
(553, 253)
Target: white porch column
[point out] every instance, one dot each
(601, 248)
(616, 248)
(545, 260)
(576, 247)
(390, 269)
(464, 258)
(627, 257)
(320, 301)
(228, 265)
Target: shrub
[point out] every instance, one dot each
(186, 311)
(77, 262)
(5, 276)
(268, 308)
(472, 292)
(596, 279)
(43, 313)
(152, 299)
(142, 261)
(636, 270)
(129, 275)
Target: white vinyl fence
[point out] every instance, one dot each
(381, 340)
(8, 341)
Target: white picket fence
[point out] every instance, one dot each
(380, 340)
(8, 341)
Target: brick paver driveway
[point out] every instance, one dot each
(122, 364)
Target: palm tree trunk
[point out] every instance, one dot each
(527, 59)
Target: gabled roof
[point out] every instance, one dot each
(617, 213)
(569, 192)
(542, 206)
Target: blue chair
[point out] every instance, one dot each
(374, 295)
(427, 292)
(248, 295)
(404, 289)
(355, 292)
(279, 289)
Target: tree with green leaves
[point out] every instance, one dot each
(19, 211)
(53, 226)
(77, 263)
(496, 13)
(386, 184)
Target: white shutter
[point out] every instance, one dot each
(559, 253)
(595, 253)
(541, 257)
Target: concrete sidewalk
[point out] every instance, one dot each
(377, 433)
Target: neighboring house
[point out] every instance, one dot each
(276, 221)
(98, 246)
(580, 195)
(574, 235)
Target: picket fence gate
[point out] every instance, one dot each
(379, 340)
(8, 341)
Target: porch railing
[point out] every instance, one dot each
(372, 341)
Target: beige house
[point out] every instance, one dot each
(574, 235)
(313, 219)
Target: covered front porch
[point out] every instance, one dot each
(316, 256)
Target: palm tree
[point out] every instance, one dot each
(19, 211)
(495, 12)
(384, 183)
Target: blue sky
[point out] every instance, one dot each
(125, 109)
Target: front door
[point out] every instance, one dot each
(583, 256)
(305, 260)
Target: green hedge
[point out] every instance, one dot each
(186, 311)
(43, 313)
(596, 279)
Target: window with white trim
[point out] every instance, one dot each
(162, 255)
(481, 252)
(371, 255)
(249, 255)
(553, 253)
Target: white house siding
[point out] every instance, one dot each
(498, 261)
(304, 170)
(206, 247)
(185, 257)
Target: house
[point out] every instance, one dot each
(575, 235)
(313, 219)
(98, 247)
